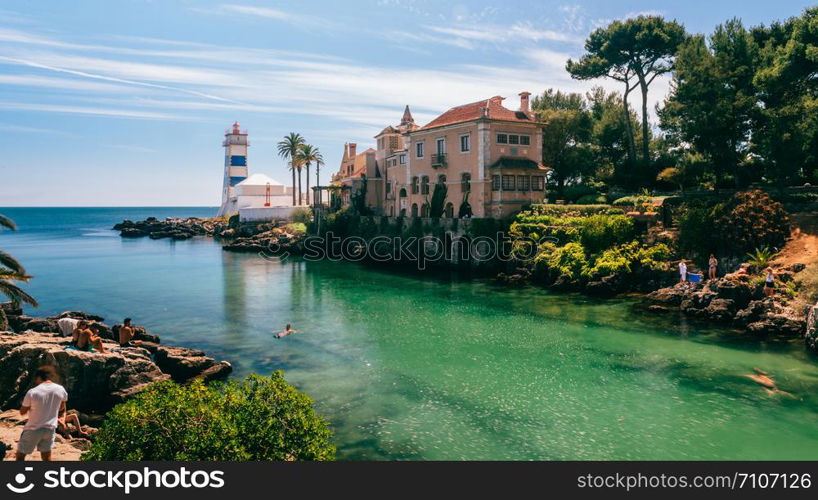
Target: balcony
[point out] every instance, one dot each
(439, 160)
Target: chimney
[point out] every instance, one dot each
(524, 101)
(352, 147)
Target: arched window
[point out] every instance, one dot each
(414, 209)
(403, 212)
(441, 179)
(424, 211)
(424, 184)
(403, 193)
(414, 185)
(449, 210)
(465, 182)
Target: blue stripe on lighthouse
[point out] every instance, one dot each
(238, 161)
(236, 180)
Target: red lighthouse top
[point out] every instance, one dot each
(235, 127)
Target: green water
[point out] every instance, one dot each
(413, 367)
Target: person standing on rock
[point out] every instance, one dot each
(682, 272)
(769, 282)
(44, 405)
(714, 264)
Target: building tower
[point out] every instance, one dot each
(235, 167)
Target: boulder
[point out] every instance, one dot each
(667, 296)
(721, 309)
(94, 381)
(184, 364)
(132, 232)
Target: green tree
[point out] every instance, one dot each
(634, 51)
(786, 133)
(566, 137)
(307, 155)
(713, 100)
(288, 149)
(12, 271)
(438, 203)
(259, 418)
(610, 136)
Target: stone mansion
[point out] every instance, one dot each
(487, 156)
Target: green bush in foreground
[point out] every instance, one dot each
(259, 418)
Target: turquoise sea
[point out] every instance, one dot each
(418, 367)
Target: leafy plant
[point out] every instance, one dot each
(259, 418)
(760, 258)
(11, 271)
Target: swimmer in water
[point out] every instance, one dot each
(765, 380)
(288, 330)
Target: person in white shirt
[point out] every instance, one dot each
(44, 405)
(682, 271)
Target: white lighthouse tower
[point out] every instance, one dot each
(235, 167)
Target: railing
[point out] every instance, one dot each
(439, 160)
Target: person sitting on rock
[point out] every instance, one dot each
(88, 339)
(70, 417)
(75, 335)
(44, 404)
(126, 334)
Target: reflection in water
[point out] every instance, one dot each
(432, 368)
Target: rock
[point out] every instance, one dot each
(184, 364)
(79, 315)
(10, 309)
(132, 232)
(218, 371)
(94, 381)
(795, 268)
(721, 309)
(739, 291)
(667, 296)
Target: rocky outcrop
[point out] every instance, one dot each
(274, 241)
(94, 381)
(811, 336)
(173, 228)
(736, 299)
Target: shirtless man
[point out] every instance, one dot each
(288, 330)
(126, 334)
(88, 339)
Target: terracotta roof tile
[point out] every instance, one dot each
(476, 110)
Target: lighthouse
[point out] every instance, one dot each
(235, 167)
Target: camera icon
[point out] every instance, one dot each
(20, 479)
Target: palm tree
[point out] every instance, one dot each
(10, 271)
(307, 155)
(288, 149)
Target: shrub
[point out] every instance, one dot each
(303, 215)
(295, 228)
(747, 221)
(604, 231)
(760, 258)
(573, 193)
(630, 258)
(633, 201)
(568, 260)
(260, 418)
(591, 199)
(565, 210)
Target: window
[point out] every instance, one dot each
(441, 179)
(495, 182)
(502, 138)
(465, 143)
(525, 140)
(424, 184)
(402, 159)
(419, 150)
(388, 187)
(538, 183)
(393, 142)
(523, 183)
(441, 146)
(465, 181)
(414, 185)
(514, 139)
(508, 183)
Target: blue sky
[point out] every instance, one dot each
(117, 103)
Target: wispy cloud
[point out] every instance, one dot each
(268, 13)
(89, 110)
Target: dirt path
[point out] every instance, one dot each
(803, 247)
